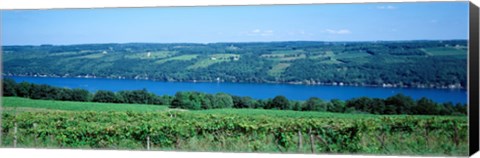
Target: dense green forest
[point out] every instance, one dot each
(397, 104)
(437, 64)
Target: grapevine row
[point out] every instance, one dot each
(170, 129)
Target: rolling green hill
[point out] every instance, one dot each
(438, 64)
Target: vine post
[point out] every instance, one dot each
(427, 126)
(51, 138)
(177, 142)
(456, 138)
(276, 142)
(312, 142)
(300, 141)
(15, 135)
(323, 141)
(382, 138)
(148, 142)
(35, 134)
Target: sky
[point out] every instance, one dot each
(321, 22)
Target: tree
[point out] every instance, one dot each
(43, 91)
(137, 97)
(449, 108)
(222, 100)
(64, 94)
(206, 101)
(297, 106)
(403, 104)
(360, 104)
(179, 100)
(80, 95)
(377, 106)
(243, 102)
(166, 99)
(280, 102)
(390, 110)
(9, 87)
(461, 108)
(314, 104)
(261, 104)
(337, 105)
(186, 100)
(426, 106)
(104, 96)
(23, 89)
(195, 101)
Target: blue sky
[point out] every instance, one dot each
(324, 22)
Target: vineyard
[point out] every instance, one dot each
(203, 131)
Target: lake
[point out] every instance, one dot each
(254, 90)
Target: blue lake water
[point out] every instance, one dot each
(254, 90)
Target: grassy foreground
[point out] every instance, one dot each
(17, 104)
(11, 104)
(58, 124)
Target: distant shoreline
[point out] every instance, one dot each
(339, 84)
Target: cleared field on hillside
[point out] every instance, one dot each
(151, 55)
(181, 57)
(442, 51)
(213, 59)
(278, 69)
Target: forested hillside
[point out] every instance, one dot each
(438, 64)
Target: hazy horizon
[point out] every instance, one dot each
(238, 24)
(233, 42)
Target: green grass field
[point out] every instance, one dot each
(278, 69)
(90, 56)
(212, 59)
(283, 55)
(352, 55)
(15, 104)
(181, 57)
(153, 55)
(65, 53)
(444, 51)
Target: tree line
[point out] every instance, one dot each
(47, 92)
(396, 104)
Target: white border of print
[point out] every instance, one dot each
(75, 153)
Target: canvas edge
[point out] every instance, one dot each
(473, 84)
